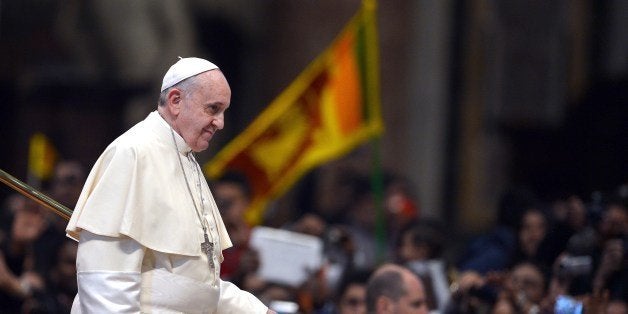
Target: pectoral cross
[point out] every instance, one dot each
(208, 248)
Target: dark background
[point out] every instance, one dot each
(532, 93)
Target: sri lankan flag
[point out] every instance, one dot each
(330, 108)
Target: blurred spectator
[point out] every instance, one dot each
(66, 184)
(616, 307)
(531, 232)
(360, 222)
(576, 213)
(351, 293)
(494, 251)
(338, 252)
(472, 292)
(523, 291)
(395, 289)
(401, 206)
(612, 271)
(10, 205)
(18, 279)
(61, 280)
(314, 293)
(614, 219)
(311, 224)
(420, 249)
(61, 284)
(232, 194)
(585, 239)
(533, 243)
(245, 274)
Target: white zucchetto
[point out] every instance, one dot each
(185, 68)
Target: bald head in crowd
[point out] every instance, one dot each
(395, 289)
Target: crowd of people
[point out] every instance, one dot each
(37, 261)
(567, 255)
(564, 255)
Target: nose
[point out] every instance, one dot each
(219, 122)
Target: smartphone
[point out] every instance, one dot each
(567, 305)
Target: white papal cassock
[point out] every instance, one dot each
(140, 237)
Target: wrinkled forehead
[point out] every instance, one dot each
(212, 83)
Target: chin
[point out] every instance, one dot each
(201, 147)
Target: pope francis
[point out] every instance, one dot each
(150, 234)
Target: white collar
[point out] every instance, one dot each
(183, 147)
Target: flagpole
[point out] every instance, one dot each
(377, 186)
(35, 195)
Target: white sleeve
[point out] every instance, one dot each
(108, 274)
(234, 300)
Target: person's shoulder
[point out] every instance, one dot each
(140, 138)
(136, 143)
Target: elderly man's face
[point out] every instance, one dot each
(414, 302)
(202, 110)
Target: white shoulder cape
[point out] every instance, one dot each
(136, 188)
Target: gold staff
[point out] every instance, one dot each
(35, 195)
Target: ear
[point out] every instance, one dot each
(174, 101)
